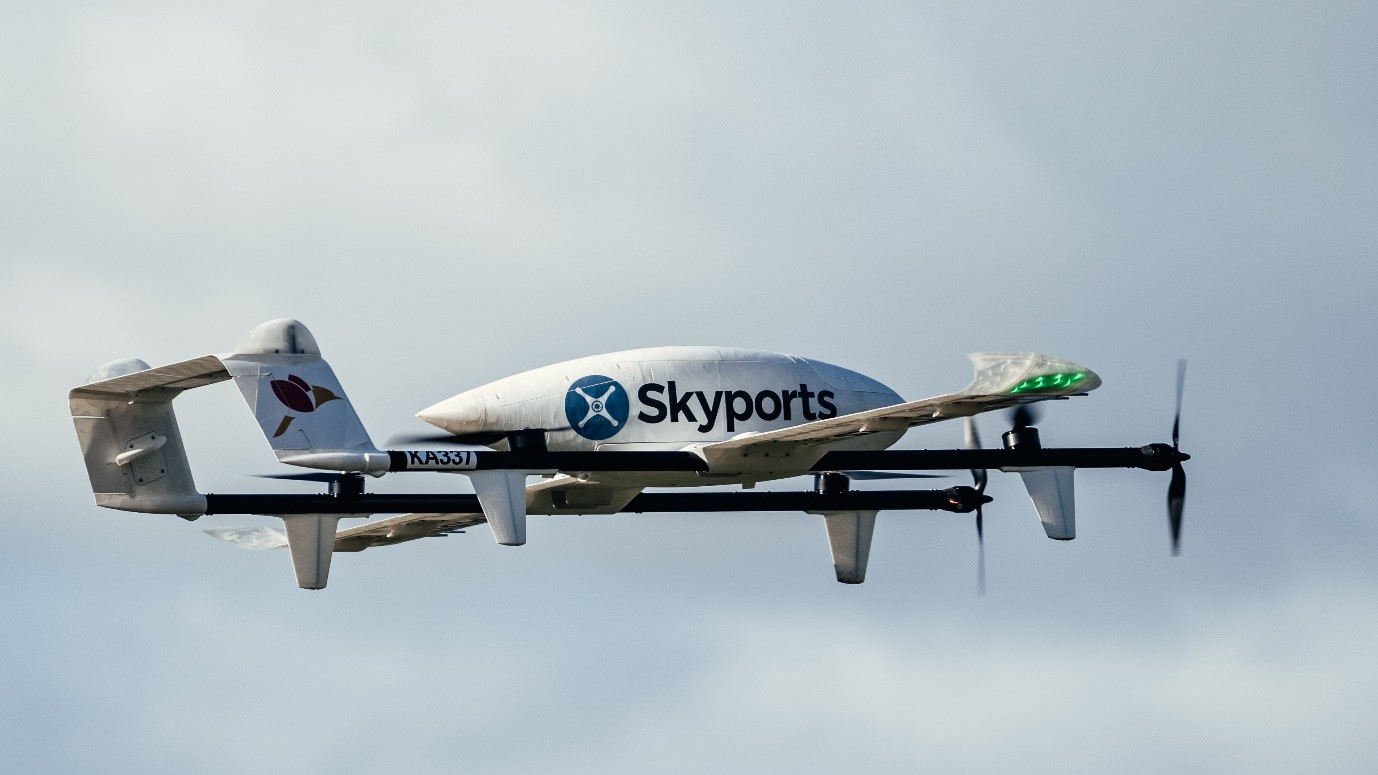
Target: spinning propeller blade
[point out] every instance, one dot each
(1176, 496)
(464, 439)
(1181, 382)
(868, 475)
(980, 554)
(341, 483)
(1024, 416)
(1177, 486)
(979, 478)
(973, 441)
(315, 477)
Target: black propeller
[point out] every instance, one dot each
(340, 483)
(312, 477)
(1024, 416)
(522, 438)
(979, 478)
(1177, 486)
(868, 475)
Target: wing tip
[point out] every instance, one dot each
(1035, 373)
(249, 537)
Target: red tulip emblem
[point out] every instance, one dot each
(299, 396)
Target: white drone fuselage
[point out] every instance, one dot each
(667, 398)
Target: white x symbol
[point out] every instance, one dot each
(598, 406)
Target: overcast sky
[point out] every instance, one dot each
(448, 193)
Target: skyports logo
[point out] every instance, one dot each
(665, 402)
(597, 407)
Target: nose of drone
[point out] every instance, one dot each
(464, 413)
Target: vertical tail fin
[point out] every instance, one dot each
(294, 394)
(129, 435)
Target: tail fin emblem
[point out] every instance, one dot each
(299, 396)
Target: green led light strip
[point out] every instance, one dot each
(1049, 382)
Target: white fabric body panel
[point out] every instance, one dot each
(536, 398)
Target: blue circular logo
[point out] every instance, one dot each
(597, 407)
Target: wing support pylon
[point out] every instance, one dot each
(1053, 492)
(502, 494)
(311, 540)
(849, 539)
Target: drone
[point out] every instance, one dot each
(637, 431)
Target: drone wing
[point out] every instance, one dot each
(1001, 380)
(561, 494)
(356, 539)
(404, 527)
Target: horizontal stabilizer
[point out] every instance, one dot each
(125, 379)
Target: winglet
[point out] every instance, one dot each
(249, 537)
(1034, 374)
